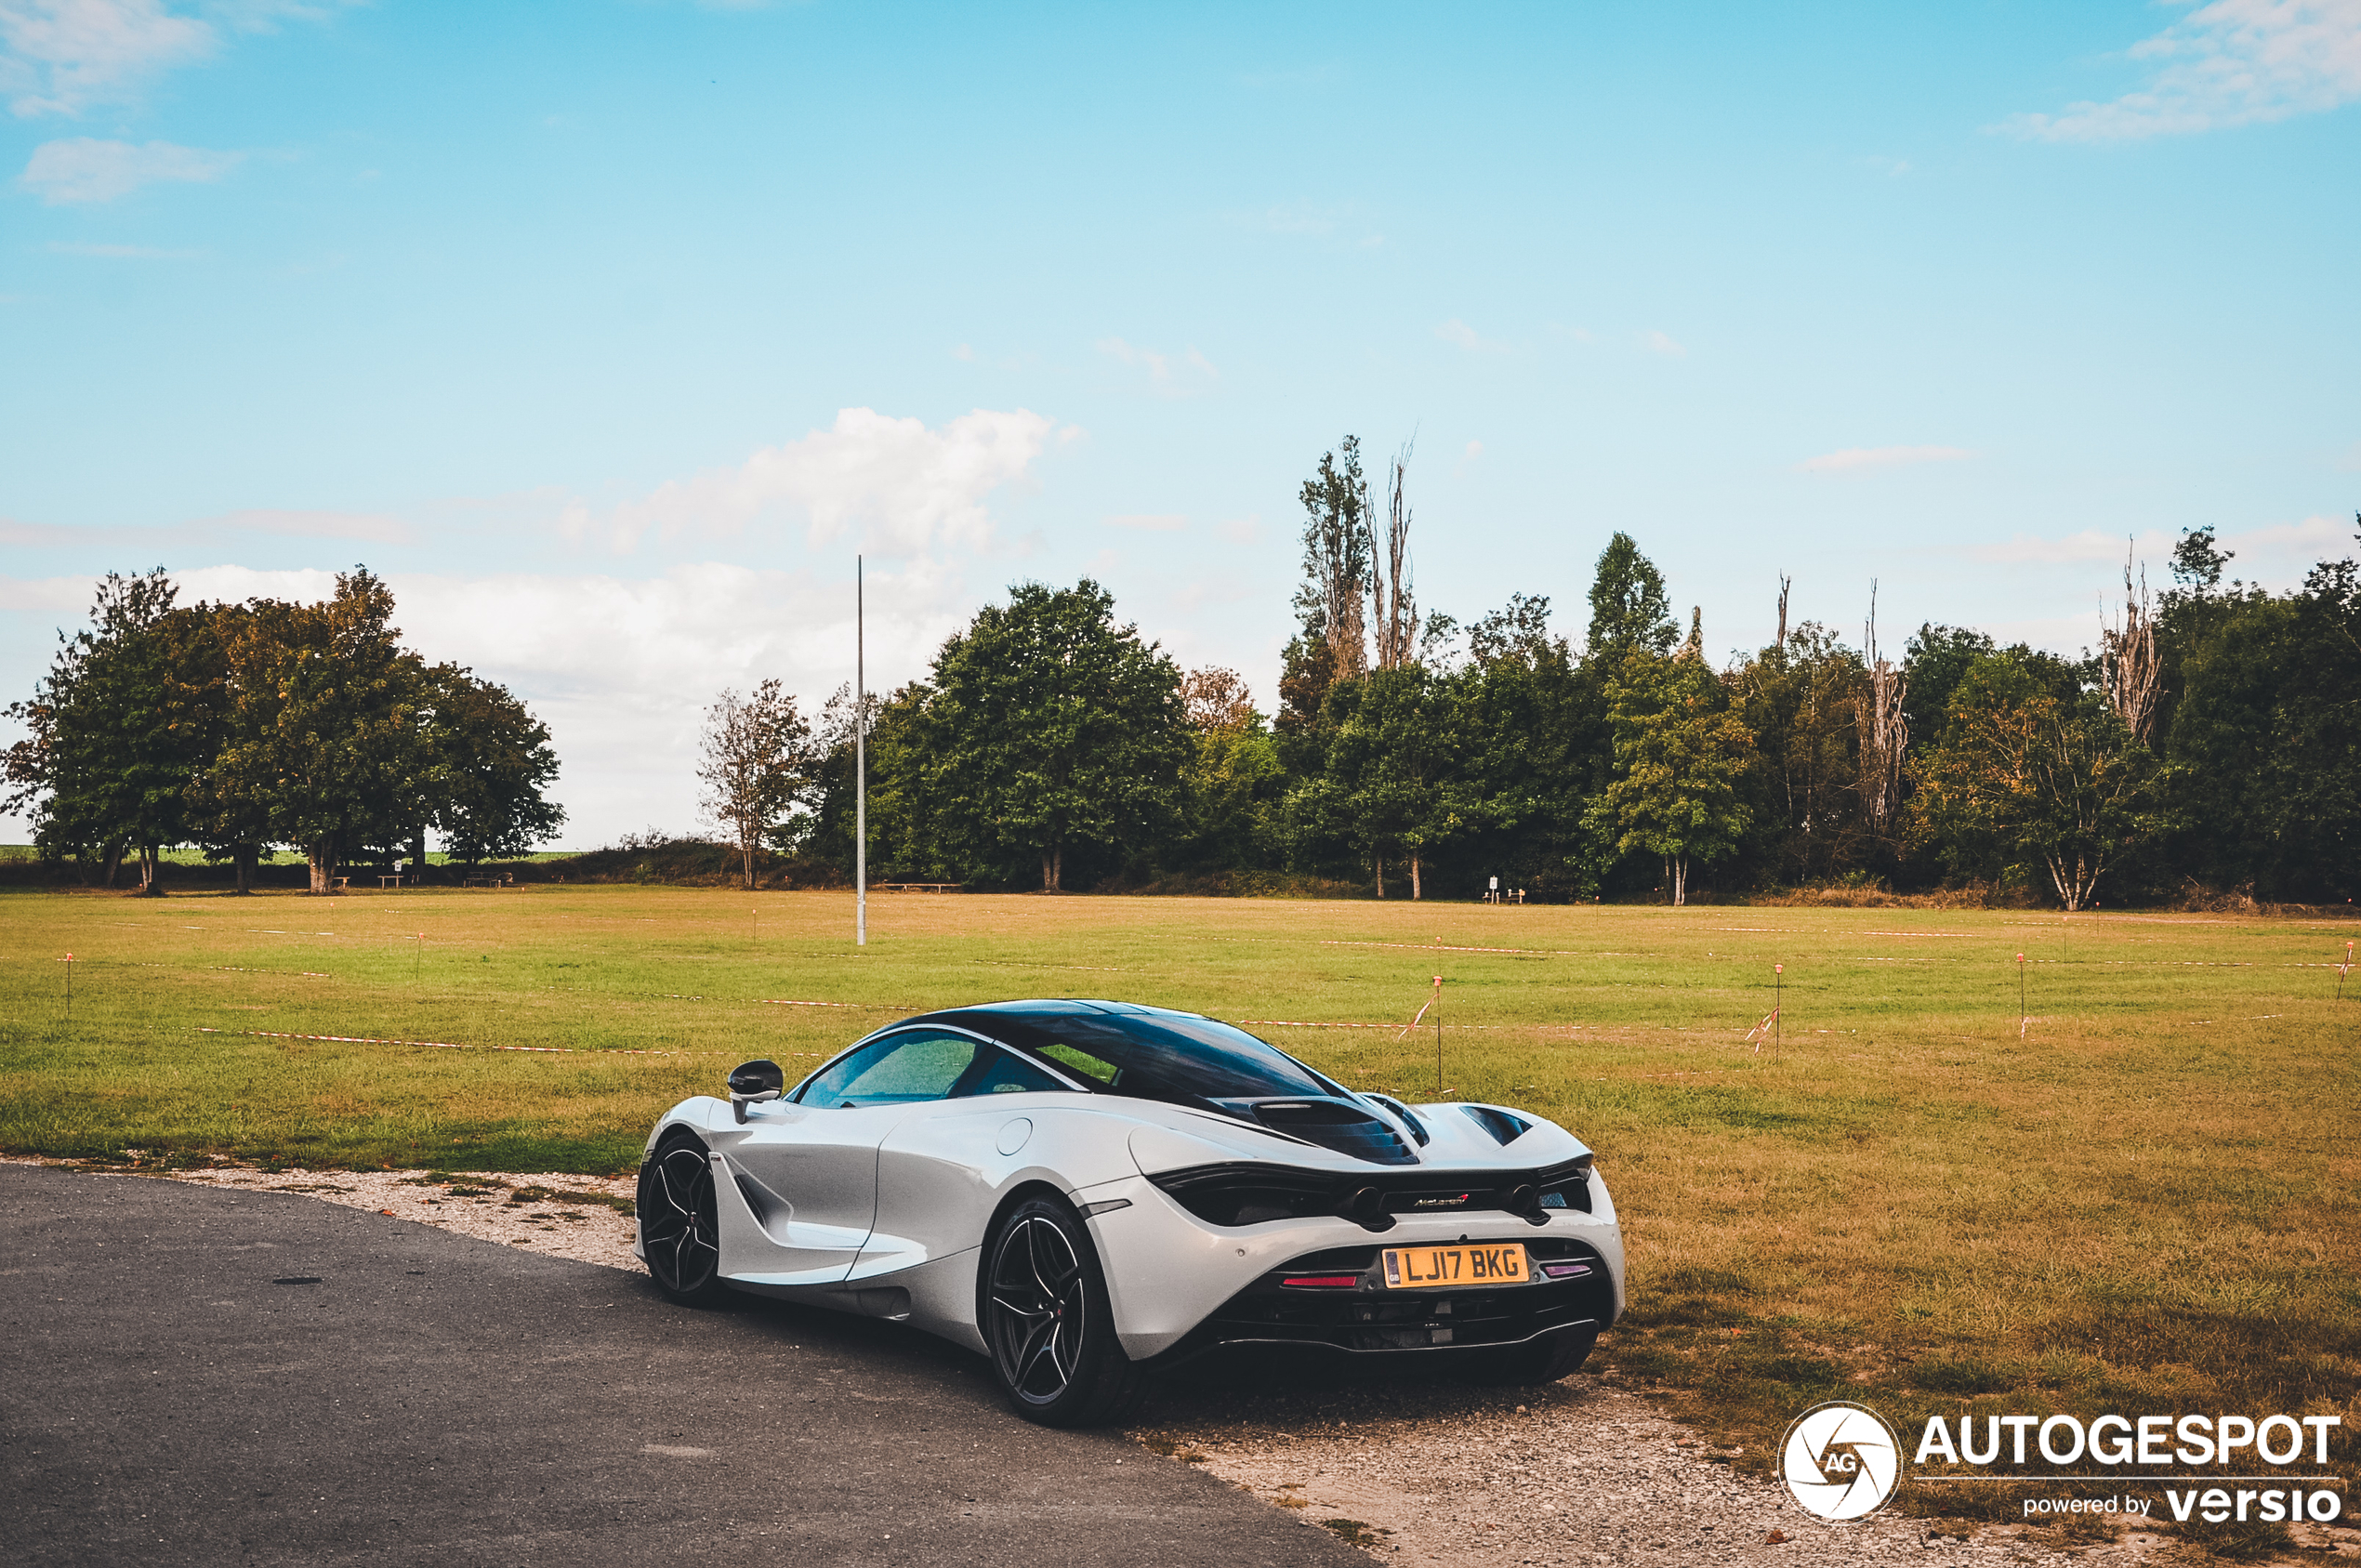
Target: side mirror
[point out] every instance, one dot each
(753, 1083)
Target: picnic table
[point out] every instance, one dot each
(918, 886)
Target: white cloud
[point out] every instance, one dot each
(1152, 522)
(87, 169)
(1458, 332)
(2289, 545)
(1856, 457)
(60, 57)
(65, 595)
(1660, 343)
(1245, 529)
(1168, 375)
(374, 527)
(2233, 63)
(907, 489)
(121, 252)
(2026, 549)
(57, 55)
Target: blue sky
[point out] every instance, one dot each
(609, 332)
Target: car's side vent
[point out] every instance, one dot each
(1504, 1126)
(1409, 1118)
(1332, 1123)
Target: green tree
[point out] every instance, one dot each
(755, 758)
(1530, 749)
(1629, 610)
(1051, 728)
(2265, 735)
(1230, 783)
(2033, 774)
(327, 741)
(1681, 760)
(492, 762)
(1388, 780)
(1802, 702)
(120, 728)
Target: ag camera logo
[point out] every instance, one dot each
(1841, 1461)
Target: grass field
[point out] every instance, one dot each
(2147, 1201)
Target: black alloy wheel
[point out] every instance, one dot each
(1535, 1362)
(1046, 1319)
(681, 1223)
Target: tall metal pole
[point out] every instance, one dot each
(860, 769)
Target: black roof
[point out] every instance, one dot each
(1153, 1053)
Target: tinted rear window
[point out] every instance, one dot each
(1155, 1055)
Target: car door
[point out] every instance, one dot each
(939, 1167)
(808, 1167)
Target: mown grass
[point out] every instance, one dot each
(2147, 1202)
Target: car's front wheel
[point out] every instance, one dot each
(680, 1221)
(1046, 1317)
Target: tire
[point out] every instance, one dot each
(1042, 1303)
(1535, 1362)
(680, 1221)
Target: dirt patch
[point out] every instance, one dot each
(1583, 1471)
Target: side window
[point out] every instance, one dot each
(900, 1069)
(1005, 1073)
(1082, 1062)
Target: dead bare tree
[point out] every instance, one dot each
(1397, 610)
(1884, 730)
(2128, 666)
(1785, 582)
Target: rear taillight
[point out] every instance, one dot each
(1321, 1282)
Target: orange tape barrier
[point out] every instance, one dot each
(459, 1045)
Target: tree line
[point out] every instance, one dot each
(2212, 738)
(240, 728)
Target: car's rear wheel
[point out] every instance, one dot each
(680, 1221)
(1535, 1362)
(1046, 1319)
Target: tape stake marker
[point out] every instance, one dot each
(1435, 1001)
(2020, 997)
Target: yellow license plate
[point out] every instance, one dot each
(1417, 1267)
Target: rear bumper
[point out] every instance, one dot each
(1368, 1320)
(1180, 1285)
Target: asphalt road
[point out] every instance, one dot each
(165, 1396)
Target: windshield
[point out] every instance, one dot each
(1148, 1053)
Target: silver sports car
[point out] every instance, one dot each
(1091, 1191)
